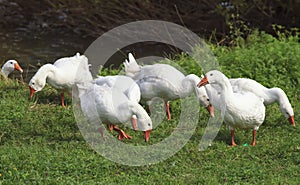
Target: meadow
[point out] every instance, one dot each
(40, 142)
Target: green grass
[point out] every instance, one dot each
(40, 142)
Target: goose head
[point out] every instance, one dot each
(38, 81)
(288, 112)
(212, 77)
(10, 66)
(36, 85)
(204, 100)
(142, 124)
(141, 120)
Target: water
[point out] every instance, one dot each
(32, 50)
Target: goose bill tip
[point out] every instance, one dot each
(147, 135)
(292, 121)
(210, 109)
(18, 67)
(32, 91)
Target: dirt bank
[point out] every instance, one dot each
(91, 18)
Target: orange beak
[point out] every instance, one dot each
(18, 67)
(210, 109)
(147, 135)
(292, 121)
(32, 91)
(203, 82)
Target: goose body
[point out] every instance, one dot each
(62, 75)
(115, 108)
(270, 95)
(122, 83)
(241, 109)
(164, 81)
(9, 66)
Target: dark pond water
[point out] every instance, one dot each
(32, 50)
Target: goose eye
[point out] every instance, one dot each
(207, 99)
(11, 62)
(211, 74)
(32, 83)
(149, 124)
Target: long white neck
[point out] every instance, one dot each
(189, 83)
(5, 72)
(277, 94)
(139, 111)
(226, 92)
(45, 71)
(213, 92)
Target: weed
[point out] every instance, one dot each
(42, 144)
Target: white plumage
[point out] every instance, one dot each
(122, 83)
(241, 109)
(164, 81)
(9, 66)
(270, 95)
(62, 75)
(114, 108)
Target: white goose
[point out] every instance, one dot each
(123, 84)
(270, 95)
(9, 66)
(241, 110)
(62, 75)
(166, 82)
(114, 107)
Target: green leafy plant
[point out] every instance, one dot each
(41, 144)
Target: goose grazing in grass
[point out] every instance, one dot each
(241, 110)
(270, 95)
(62, 75)
(123, 84)
(166, 82)
(9, 66)
(114, 108)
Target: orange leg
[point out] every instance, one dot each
(122, 135)
(232, 138)
(62, 97)
(110, 127)
(168, 110)
(253, 143)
